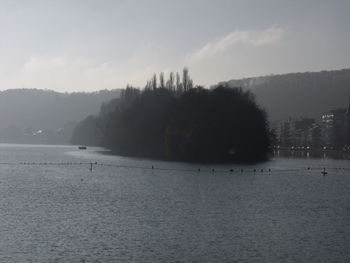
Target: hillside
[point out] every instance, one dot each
(306, 94)
(44, 116)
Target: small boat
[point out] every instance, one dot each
(82, 147)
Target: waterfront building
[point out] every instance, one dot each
(327, 129)
(334, 128)
(294, 132)
(331, 131)
(347, 141)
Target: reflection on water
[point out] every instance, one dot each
(332, 154)
(65, 213)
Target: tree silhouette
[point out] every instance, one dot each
(185, 79)
(197, 124)
(170, 82)
(161, 81)
(178, 84)
(154, 82)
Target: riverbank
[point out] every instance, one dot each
(313, 153)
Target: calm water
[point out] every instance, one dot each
(65, 213)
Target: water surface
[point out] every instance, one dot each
(63, 212)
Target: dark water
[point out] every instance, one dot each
(65, 213)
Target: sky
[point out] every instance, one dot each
(89, 45)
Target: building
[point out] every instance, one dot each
(334, 128)
(347, 140)
(295, 132)
(327, 129)
(332, 131)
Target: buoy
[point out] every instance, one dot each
(231, 170)
(199, 169)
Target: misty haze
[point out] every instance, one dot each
(184, 131)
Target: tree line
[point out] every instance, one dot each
(176, 120)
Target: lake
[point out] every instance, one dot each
(54, 209)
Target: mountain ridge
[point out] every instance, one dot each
(308, 94)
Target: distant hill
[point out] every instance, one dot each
(45, 116)
(306, 94)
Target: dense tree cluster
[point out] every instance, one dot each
(175, 120)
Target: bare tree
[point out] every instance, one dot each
(185, 79)
(171, 81)
(161, 80)
(148, 85)
(178, 83)
(154, 82)
(190, 84)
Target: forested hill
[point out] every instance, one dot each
(183, 124)
(34, 116)
(307, 94)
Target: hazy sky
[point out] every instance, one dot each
(86, 45)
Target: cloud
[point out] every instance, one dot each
(256, 38)
(64, 73)
(68, 73)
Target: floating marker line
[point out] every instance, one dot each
(267, 171)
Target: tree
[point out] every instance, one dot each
(185, 79)
(161, 80)
(221, 124)
(170, 85)
(87, 132)
(148, 85)
(154, 82)
(178, 84)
